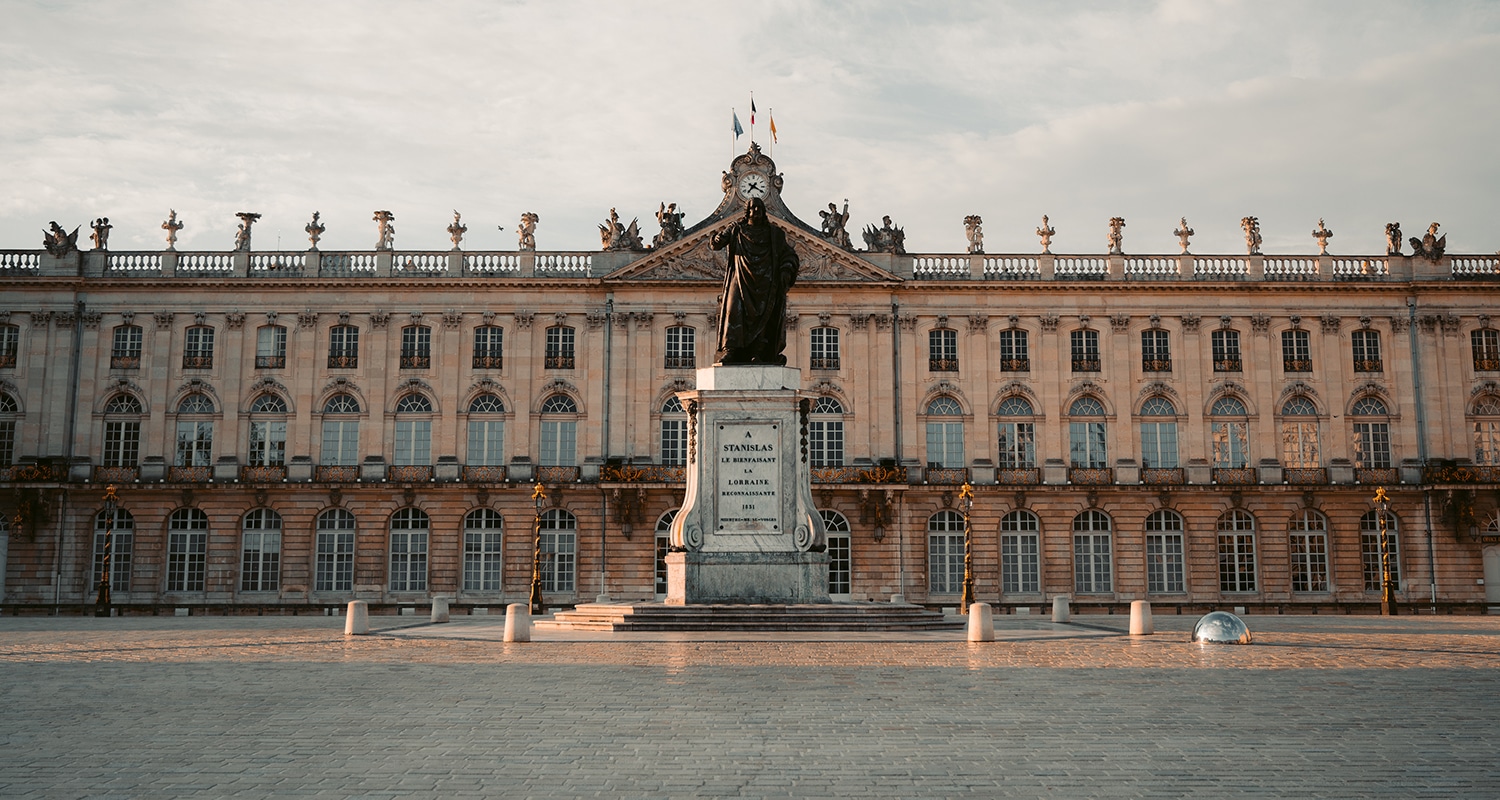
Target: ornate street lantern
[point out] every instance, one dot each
(111, 502)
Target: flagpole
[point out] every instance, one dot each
(752, 118)
(771, 114)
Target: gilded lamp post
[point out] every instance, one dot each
(538, 496)
(1387, 585)
(111, 502)
(966, 497)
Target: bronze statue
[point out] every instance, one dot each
(752, 309)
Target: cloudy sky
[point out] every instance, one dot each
(1360, 112)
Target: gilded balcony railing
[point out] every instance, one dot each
(1228, 365)
(1015, 365)
(117, 474)
(262, 474)
(1305, 476)
(1017, 476)
(190, 474)
(32, 472)
(1091, 476)
(484, 474)
(846, 474)
(1466, 473)
(1376, 475)
(555, 474)
(643, 473)
(270, 362)
(1234, 476)
(409, 473)
(947, 475)
(1163, 476)
(336, 473)
(1367, 365)
(488, 361)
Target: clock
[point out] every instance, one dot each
(754, 185)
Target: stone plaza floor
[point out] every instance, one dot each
(150, 707)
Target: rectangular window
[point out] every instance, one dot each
(559, 551)
(1236, 562)
(839, 565)
(198, 349)
(409, 561)
(1486, 345)
(340, 442)
(945, 444)
(267, 444)
(1369, 551)
(1487, 443)
(1309, 562)
(681, 348)
(1159, 445)
(486, 442)
(1299, 445)
(260, 562)
(126, 353)
(824, 348)
(1366, 346)
(674, 442)
(416, 347)
(1372, 445)
(1164, 563)
(270, 347)
(559, 348)
(413, 442)
(1296, 351)
(1156, 354)
(1017, 445)
(195, 444)
(1091, 562)
(7, 442)
(945, 563)
(335, 561)
(483, 558)
(187, 553)
(1226, 347)
(1020, 563)
(1015, 354)
(1086, 445)
(10, 345)
(1085, 345)
(488, 347)
(825, 443)
(942, 350)
(1231, 441)
(559, 444)
(343, 347)
(122, 444)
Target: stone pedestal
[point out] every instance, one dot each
(748, 531)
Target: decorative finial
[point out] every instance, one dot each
(457, 230)
(1046, 232)
(172, 226)
(1322, 234)
(1183, 233)
(314, 230)
(1116, 238)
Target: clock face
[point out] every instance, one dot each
(754, 185)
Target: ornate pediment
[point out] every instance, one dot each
(693, 259)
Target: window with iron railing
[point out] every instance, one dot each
(1296, 351)
(1156, 353)
(1372, 437)
(1366, 347)
(126, 353)
(270, 347)
(1015, 353)
(1226, 349)
(1485, 343)
(942, 350)
(824, 348)
(343, 347)
(559, 344)
(681, 348)
(1085, 347)
(416, 347)
(10, 345)
(198, 347)
(488, 347)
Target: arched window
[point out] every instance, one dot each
(840, 568)
(1485, 414)
(270, 347)
(945, 434)
(1093, 563)
(1372, 435)
(559, 550)
(1164, 566)
(260, 548)
(559, 353)
(195, 435)
(122, 431)
(120, 528)
(673, 433)
(483, 550)
(1087, 443)
(409, 530)
(1369, 550)
(126, 352)
(416, 347)
(1017, 434)
(663, 546)
(1236, 552)
(942, 350)
(335, 551)
(267, 431)
(198, 347)
(341, 431)
(1230, 433)
(187, 550)
(681, 348)
(945, 553)
(825, 433)
(559, 431)
(1158, 434)
(1299, 434)
(1308, 531)
(486, 431)
(489, 347)
(8, 411)
(1020, 553)
(413, 431)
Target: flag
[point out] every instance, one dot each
(773, 127)
(737, 129)
(752, 110)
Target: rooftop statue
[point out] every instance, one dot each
(1430, 246)
(172, 226)
(1116, 237)
(670, 220)
(1047, 232)
(315, 230)
(58, 241)
(886, 239)
(615, 236)
(1251, 225)
(1183, 233)
(974, 232)
(100, 235)
(1322, 234)
(1393, 238)
(526, 231)
(761, 268)
(387, 231)
(834, 225)
(242, 236)
(457, 230)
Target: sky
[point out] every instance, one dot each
(1360, 113)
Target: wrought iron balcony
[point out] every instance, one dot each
(33, 472)
(488, 361)
(117, 474)
(846, 474)
(341, 361)
(7, 360)
(1163, 476)
(1091, 476)
(270, 362)
(1367, 365)
(197, 362)
(1305, 476)
(1018, 476)
(644, 473)
(190, 474)
(409, 473)
(484, 474)
(1156, 364)
(1374, 476)
(1229, 365)
(1234, 476)
(409, 361)
(942, 365)
(1085, 365)
(1015, 365)
(125, 362)
(1464, 473)
(824, 363)
(558, 362)
(681, 362)
(555, 474)
(947, 475)
(1296, 365)
(262, 473)
(336, 473)
(1487, 364)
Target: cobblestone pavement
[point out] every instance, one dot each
(289, 707)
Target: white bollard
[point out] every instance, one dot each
(357, 620)
(439, 609)
(1060, 612)
(981, 623)
(517, 622)
(1140, 618)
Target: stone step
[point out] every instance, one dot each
(833, 617)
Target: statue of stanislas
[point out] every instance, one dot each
(752, 309)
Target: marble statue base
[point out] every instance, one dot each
(697, 577)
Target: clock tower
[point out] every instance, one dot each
(752, 176)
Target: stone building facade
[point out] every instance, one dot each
(295, 429)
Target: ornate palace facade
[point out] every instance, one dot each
(303, 428)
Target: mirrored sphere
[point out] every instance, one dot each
(1221, 627)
